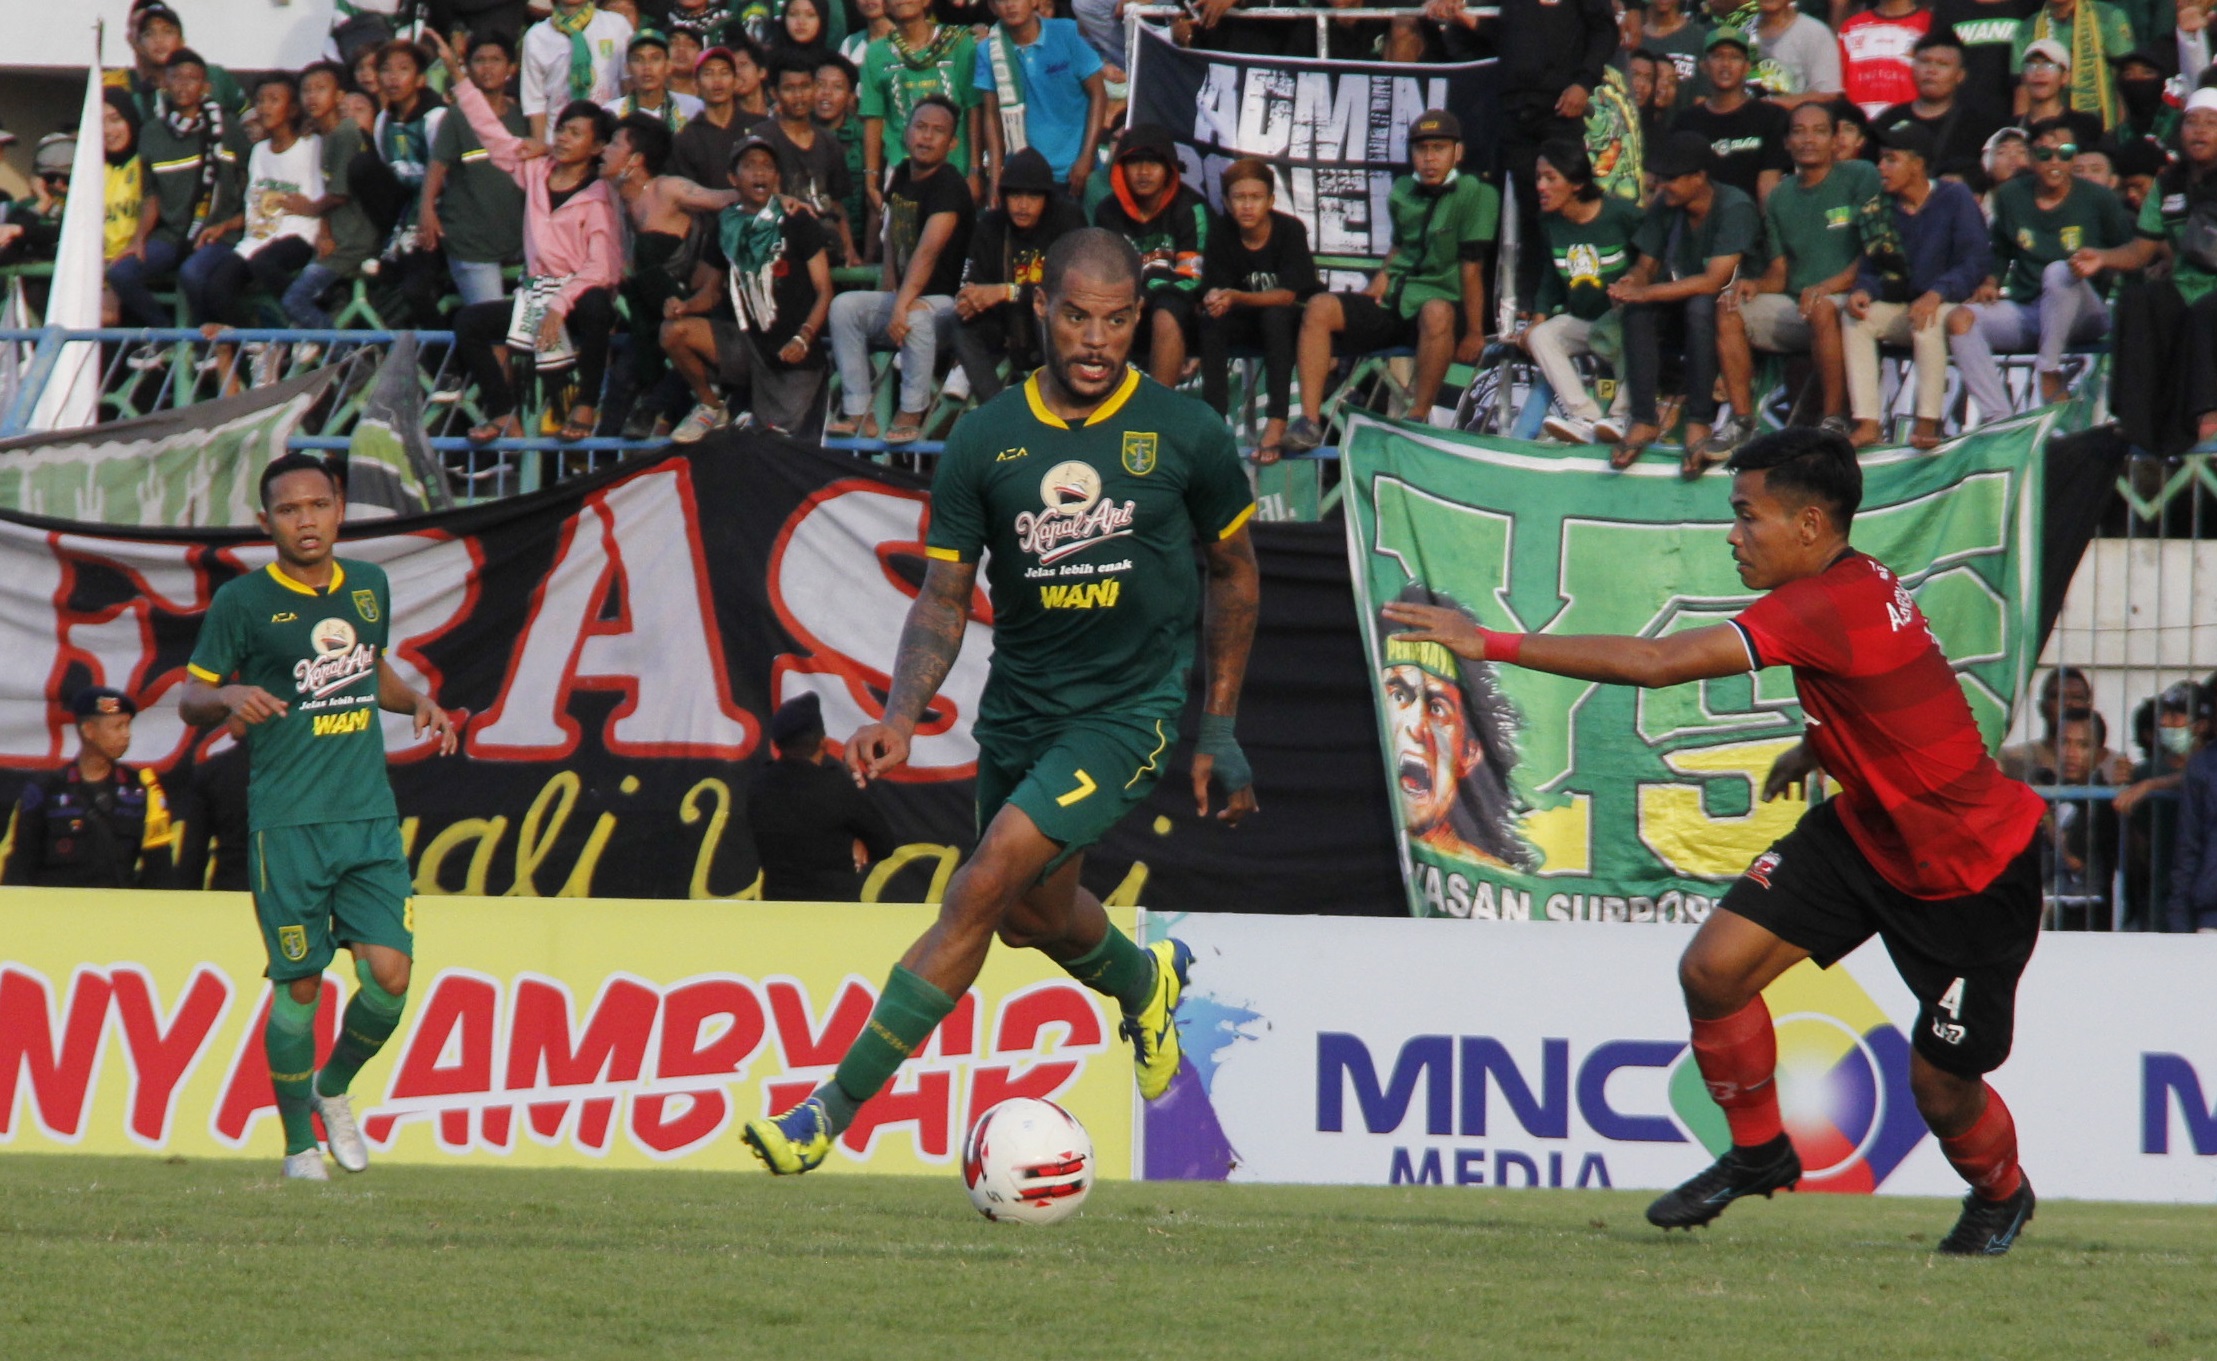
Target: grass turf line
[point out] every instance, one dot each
(139, 1257)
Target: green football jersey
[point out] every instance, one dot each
(1088, 534)
(318, 651)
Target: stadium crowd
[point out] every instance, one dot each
(746, 199)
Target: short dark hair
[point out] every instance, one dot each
(1568, 156)
(2042, 127)
(1651, 56)
(936, 101)
(1812, 464)
(741, 44)
(1095, 252)
(2089, 716)
(650, 139)
(338, 72)
(791, 59)
(845, 68)
(1826, 107)
(604, 122)
(297, 462)
(402, 47)
(490, 38)
(1942, 35)
(284, 78)
(1249, 168)
(185, 56)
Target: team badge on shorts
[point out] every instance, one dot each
(1760, 871)
(365, 605)
(1139, 452)
(292, 941)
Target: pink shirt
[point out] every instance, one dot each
(583, 239)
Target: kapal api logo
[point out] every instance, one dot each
(340, 660)
(1076, 515)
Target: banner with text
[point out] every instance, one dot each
(1536, 1055)
(615, 1034)
(1522, 794)
(1336, 132)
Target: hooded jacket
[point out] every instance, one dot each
(1171, 233)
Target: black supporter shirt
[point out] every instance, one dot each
(1284, 261)
(1747, 141)
(910, 204)
(815, 174)
(773, 304)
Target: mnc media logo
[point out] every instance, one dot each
(1843, 1083)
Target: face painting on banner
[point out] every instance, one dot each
(1526, 795)
(1335, 132)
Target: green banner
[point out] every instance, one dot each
(1525, 795)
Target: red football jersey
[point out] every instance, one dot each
(1923, 800)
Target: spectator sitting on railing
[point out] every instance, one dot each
(1168, 224)
(1042, 88)
(2169, 728)
(195, 162)
(752, 324)
(648, 62)
(2163, 372)
(2081, 834)
(702, 151)
(812, 165)
(668, 238)
(348, 237)
(1815, 254)
(2040, 302)
(928, 219)
(1255, 276)
(1691, 244)
(1007, 254)
(2066, 690)
(1431, 292)
(2193, 897)
(284, 179)
(1588, 237)
(470, 210)
(156, 34)
(1925, 249)
(411, 276)
(572, 245)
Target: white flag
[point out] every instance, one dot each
(72, 395)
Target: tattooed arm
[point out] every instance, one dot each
(930, 642)
(1227, 634)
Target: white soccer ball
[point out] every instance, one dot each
(1027, 1161)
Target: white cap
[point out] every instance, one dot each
(2052, 50)
(2202, 99)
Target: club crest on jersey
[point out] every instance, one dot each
(341, 659)
(1076, 515)
(365, 605)
(1760, 871)
(1139, 452)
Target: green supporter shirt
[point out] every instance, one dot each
(2162, 217)
(2029, 238)
(891, 85)
(1732, 228)
(1588, 257)
(481, 205)
(1435, 231)
(354, 238)
(174, 174)
(1817, 229)
(2111, 36)
(1088, 537)
(318, 651)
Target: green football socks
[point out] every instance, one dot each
(907, 1012)
(1116, 968)
(289, 1039)
(371, 1017)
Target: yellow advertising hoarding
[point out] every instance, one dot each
(539, 1032)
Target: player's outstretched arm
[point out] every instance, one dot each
(1227, 635)
(203, 705)
(396, 696)
(1697, 654)
(931, 639)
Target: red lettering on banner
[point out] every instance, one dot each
(162, 1058)
(60, 1076)
(247, 1095)
(613, 1048)
(929, 1105)
(449, 1053)
(1025, 1014)
(626, 607)
(686, 1011)
(957, 1036)
(802, 1045)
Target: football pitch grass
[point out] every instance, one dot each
(127, 1257)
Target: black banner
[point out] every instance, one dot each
(1336, 132)
(617, 645)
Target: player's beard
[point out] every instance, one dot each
(1082, 388)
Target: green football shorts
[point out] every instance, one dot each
(1073, 777)
(321, 886)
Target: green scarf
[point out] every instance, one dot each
(928, 56)
(750, 242)
(573, 26)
